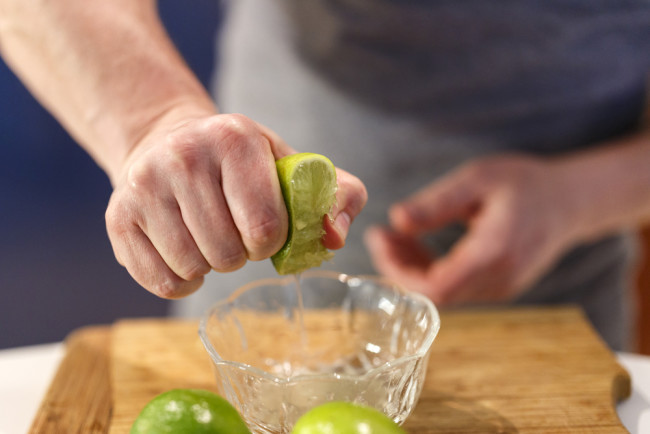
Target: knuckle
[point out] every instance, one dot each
(238, 134)
(141, 177)
(227, 263)
(166, 288)
(118, 219)
(236, 126)
(178, 155)
(237, 122)
(183, 155)
(163, 282)
(263, 237)
(194, 269)
(114, 218)
(185, 258)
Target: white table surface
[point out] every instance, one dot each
(25, 374)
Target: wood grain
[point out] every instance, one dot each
(538, 370)
(531, 370)
(150, 357)
(79, 397)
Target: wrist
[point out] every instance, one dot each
(605, 189)
(157, 122)
(574, 199)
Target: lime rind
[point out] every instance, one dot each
(345, 417)
(193, 411)
(308, 183)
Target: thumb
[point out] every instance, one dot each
(453, 198)
(351, 197)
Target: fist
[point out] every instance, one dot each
(203, 194)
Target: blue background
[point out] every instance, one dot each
(57, 269)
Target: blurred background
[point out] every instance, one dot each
(57, 269)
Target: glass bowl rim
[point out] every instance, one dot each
(421, 352)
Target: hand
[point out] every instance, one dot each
(517, 227)
(202, 193)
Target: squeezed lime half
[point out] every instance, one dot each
(308, 183)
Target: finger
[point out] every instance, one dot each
(454, 198)
(399, 257)
(252, 192)
(164, 227)
(279, 147)
(143, 262)
(206, 215)
(351, 197)
(479, 267)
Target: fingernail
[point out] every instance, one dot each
(342, 224)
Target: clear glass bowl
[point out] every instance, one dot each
(281, 346)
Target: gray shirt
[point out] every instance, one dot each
(400, 92)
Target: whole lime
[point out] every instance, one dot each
(189, 411)
(345, 418)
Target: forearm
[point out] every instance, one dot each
(105, 69)
(608, 188)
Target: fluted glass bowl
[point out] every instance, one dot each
(283, 346)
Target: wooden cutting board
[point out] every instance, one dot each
(533, 370)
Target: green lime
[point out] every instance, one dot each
(189, 411)
(345, 418)
(308, 183)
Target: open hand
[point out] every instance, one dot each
(516, 229)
